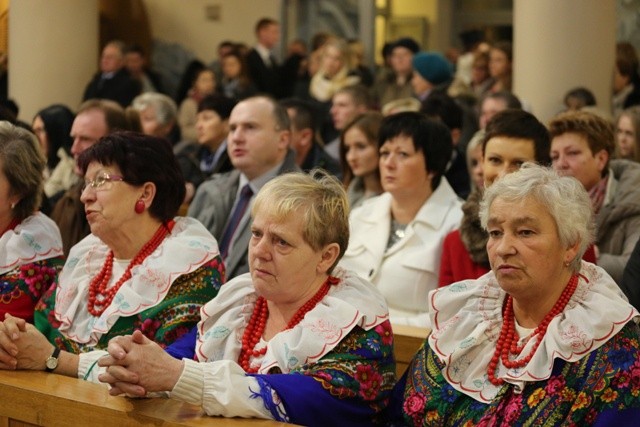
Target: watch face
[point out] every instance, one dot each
(51, 363)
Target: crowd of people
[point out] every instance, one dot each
(249, 243)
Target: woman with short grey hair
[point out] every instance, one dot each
(542, 331)
(564, 198)
(158, 114)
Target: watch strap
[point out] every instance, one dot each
(54, 355)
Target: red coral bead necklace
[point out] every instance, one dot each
(258, 322)
(99, 284)
(507, 344)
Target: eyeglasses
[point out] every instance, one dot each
(100, 180)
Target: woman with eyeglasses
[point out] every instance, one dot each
(141, 268)
(30, 243)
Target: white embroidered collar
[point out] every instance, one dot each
(350, 303)
(467, 317)
(36, 238)
(183, 251)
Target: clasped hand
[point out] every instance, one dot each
(137, 366)
(22, 346)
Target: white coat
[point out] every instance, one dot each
(408, 270)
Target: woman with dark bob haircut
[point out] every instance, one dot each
(396, 237)
(141, 268)
(30, 242)
(141, 159)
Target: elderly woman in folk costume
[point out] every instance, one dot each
(140, 269)
(297, 339)
(544, 338)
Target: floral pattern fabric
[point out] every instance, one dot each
(175, 315)
(360, 371)
(360, 366)
(467, 318)
(604, 384)
(336, 363)
(30, 259)
(24, 285)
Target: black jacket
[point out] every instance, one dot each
(120, 88)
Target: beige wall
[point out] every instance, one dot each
(555, 52)
(185, 22)
(437, 14)
(53, 46)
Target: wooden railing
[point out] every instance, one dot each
(42, 399)
(406, 342)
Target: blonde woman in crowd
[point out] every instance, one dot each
(334, 72)
(628, 134)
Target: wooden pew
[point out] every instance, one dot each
(43, 399)
(406, 342)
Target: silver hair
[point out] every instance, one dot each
(564, 198)
(164, 107)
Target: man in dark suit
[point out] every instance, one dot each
(258, 146)
(208, 155)
(135, 61)
(261, 63)
(304, 126)
(113, 80)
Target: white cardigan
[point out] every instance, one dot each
(409, 270)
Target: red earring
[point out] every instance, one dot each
(140, 206)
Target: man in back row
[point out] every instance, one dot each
(261, 63)
(113, 80)
(258, 146)
(346, 104)
(95, 119)
(309, 153)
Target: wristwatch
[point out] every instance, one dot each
(52, 361)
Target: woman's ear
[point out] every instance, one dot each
(14, 199)
(148, 193)
(571, 252)
(330, 254)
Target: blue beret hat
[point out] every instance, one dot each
(433, 67)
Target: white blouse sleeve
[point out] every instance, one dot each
(88, 368)
(222, 388)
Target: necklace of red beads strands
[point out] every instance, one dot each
(99, 284)
(258, 322)
(13, 224)
(507, 344)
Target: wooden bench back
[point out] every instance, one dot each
(406, 340)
